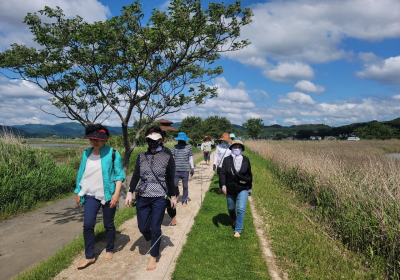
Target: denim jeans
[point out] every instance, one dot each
(150, 213)
(206, 156)
(241, 199)
(184, 175)
(91, 208)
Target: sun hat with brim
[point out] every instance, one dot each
(232, 135)
(207, 138)
(225, 137)
(236, 142)
(182, 136)
(154, 136)
(97, 135)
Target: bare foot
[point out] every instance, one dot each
(184, 205)
(173, 221)
(85, 263)
(237, 234)
(151, 264)
(108, 256)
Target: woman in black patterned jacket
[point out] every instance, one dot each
(236, 180)
(155, 171)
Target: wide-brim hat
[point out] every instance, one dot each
(237, 141)
(182, 136)
(97, 135)
(207, 137)
(225, 137)
(154, 136)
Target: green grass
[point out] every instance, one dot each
(211, 251)
(64, 257)
(303, 248)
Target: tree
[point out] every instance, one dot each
(121, 66)
(253, 127)
(376, 130)
(192, 127)
(215, 126)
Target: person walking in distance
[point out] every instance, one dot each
(155, 171)
(183, 156)
(206, 148)
(236, 179)
(221, 152)
(98, 184)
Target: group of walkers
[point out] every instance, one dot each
(154, 184)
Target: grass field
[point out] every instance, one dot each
(351, 187)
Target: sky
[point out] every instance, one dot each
(334, 62)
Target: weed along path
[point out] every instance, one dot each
(130, 259)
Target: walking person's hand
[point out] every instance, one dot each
(214, 167)
(114, 200)
(128, 200)
(173, 202)
(78, 201)
(191, 172)
(224, 189)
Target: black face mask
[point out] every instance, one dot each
(181, 143)
(152, 144)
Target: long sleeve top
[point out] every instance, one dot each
(220, 154)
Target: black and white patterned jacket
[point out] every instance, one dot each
(162, 165)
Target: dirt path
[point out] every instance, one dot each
(130, 247)
(35, 236)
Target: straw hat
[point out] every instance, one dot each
(225, 137)
(207, 137)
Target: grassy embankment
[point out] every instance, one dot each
(351, 192)
(211, 251)
(29, 176)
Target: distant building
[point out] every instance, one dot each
(166, 125)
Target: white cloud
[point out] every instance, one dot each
(308, 86)
(297, 97)
(396, 96)
(12, 14)
(384, 71)
(288, 72)
(311, 31)
(292, 121)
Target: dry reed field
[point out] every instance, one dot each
(352, 186)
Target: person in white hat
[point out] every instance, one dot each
(153, 181)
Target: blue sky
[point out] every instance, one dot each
(310, 61)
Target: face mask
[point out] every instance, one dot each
(237, 152)
(153, 144)
(181, 143)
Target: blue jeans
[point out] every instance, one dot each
(184, 175)
(92, 207)
(206, 156)
(150, 213)
(241, 199)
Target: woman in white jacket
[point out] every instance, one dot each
(222, 152)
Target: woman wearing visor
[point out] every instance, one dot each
(155, 171)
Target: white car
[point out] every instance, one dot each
(353, 139)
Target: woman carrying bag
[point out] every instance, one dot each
(98, 184)
(236, 179)
(155, 171)
(222, 151)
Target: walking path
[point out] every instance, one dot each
(130, 259)
(35, 236)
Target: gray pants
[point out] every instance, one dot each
(184, 175)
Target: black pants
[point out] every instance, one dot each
(218, 172)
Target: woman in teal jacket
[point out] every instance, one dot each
(98, 184)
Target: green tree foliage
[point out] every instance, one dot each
(123, 66)
(376, 130)
(192, 126)
(254, 126)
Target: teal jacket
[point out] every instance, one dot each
(111, 174)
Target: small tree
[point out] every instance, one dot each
(254, 127)
(120, 66)
(192, 127)
(215, 126)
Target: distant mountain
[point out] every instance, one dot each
(176, 124)
(13, 130)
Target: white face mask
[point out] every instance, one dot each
(237, 152)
